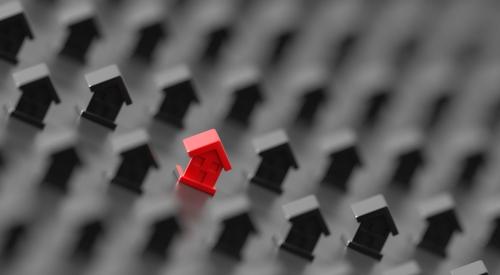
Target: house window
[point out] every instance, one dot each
(214, 167)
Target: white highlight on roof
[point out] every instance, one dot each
(475, 268)
(437, 205)
(102, 75)
(10, 9)
(130, 140)
(172, 76)
(31, 74)
(300, 206)
(368, 206)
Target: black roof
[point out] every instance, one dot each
(252, 90)
(143, 150)
(242, 219)
(67, 155)
(449, 217)
(184, 88)
(316, 215)
(45, 82)
(382, 213)
(13, 13)
(275, 143)
(108, 76)
(157, 28)
(88, 24)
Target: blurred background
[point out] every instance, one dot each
(389, 68)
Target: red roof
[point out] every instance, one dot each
(205, 142)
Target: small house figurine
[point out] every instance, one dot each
(208, 158)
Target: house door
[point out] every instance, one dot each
(205, 168)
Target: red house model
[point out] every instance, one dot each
(208, 158)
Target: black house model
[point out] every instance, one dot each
(247, 94)
(137, 159)
(161, 221)
(375, 226)
(442, 223)
(236, 227)
(163, 230)
(62, 165)
(83, 30)
(409, 159)
(276, 159)
(343, 159)
(109, 94)
(179, 92)
(38, 93)
(14, 29)
(150, 36)
(307, 227)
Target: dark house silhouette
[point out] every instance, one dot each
(245, 99)
(136, 160)
(216, 40)
(109, 94)
(179, 92)
(375, 103)
(87, 236)
(62, 165)
(310, 103)
(442, 224)
(471, 166)
(38, 93)
(237, 226)
(375, 226)
(344, 158)
(276, 159)
(14, 29)
(280, 45)
(149, 37)
(163, 232)
(407, 165)
(307, 227)
(83, 30)
(13, 237)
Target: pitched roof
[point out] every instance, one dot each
(340, 141)
(135, 140)
(33, 74)
(308, 78)
(57, 141)
(241, 78)
(204, 142)
(173, 76)
(77, 12)
(233, 209)
(305, 206)
(177, 75)
(14, 9)
(371, 206)
(81, 13)
(107, 74)
(439, 207)
(67, 154)
(406, 140)
(475, 268)
(273, 140)
(409, 268)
